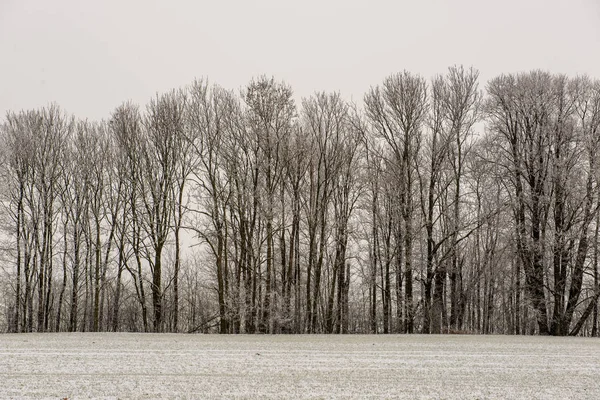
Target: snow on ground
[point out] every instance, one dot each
(125, 365)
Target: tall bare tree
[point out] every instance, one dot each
(397, 111)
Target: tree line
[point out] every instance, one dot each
(433, 206)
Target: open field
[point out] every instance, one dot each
(200, 366)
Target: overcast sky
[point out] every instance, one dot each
(89, 56)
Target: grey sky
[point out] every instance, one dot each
(89, 56)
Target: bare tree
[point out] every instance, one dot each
(270, 111)
(126, 127)
(18, 143)
(210, 112)
(164, 128)
(397, 111)
(543, 142)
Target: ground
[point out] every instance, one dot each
(108, 365)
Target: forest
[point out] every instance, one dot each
(440, 205)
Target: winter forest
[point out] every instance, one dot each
(443, 205)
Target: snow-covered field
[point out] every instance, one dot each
(285, 367)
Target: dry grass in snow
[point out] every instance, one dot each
(257, 367)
